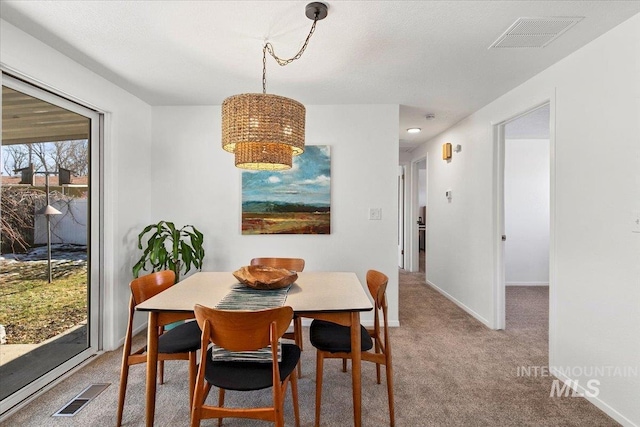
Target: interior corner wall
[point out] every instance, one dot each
(195, 182)
(526, 212)
(126, 169)
(594, 285)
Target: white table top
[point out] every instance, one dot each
(313, 292)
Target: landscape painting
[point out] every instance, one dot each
(295, 201)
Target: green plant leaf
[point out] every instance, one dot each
(141, 235)
(170, 248)
(187, 256)
(137, 267)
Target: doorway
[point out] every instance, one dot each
(422, 216)
(50, 238)
(527, 216)
(415, 217)
(524, 218)
(401, 208)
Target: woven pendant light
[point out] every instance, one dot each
(263, 156)
(264, 131)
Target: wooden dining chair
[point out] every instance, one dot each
(297, 265)
(238, 331)
(293, 264)
(334, 341)
(179, 343)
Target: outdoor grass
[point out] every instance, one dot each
(33, 310)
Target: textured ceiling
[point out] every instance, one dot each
(427, 56)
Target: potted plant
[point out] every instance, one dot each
(168, 247)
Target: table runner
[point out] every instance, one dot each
(242, 297)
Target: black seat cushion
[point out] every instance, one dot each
(334, 338)
(246, 376)
(181, 339)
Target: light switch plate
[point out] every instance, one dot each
(375, 213)
(636, 222)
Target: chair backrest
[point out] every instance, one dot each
(150, 285)
(238, 330)
(293, 264)
(377, 284)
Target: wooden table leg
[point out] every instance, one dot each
(152, 365)
(356, 373)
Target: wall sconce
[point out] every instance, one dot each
(446, 151)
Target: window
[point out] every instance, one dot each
(50, 266)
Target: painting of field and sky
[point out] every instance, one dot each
(295, 201)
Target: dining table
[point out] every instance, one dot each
(337, 297)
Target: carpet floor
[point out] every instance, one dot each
(449, 370)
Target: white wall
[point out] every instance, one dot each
(195, 182)
(595, 272)
(526, 205)
(126, 159)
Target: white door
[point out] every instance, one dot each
(401, 217)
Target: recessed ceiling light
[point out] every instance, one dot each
(414, 130)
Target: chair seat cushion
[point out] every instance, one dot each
(244, 376)
(334, 338)
(181, 339)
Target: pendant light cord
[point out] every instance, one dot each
(268, 47)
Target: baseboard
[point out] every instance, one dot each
(462, 306)
(594, 400)
(526, 284)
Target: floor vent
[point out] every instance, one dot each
(534, 32)
(81, 400)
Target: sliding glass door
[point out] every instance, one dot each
(50, 280)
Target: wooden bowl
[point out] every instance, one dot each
(263, 277)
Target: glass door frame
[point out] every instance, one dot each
(94, 246)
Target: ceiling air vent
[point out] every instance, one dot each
(534, 32)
